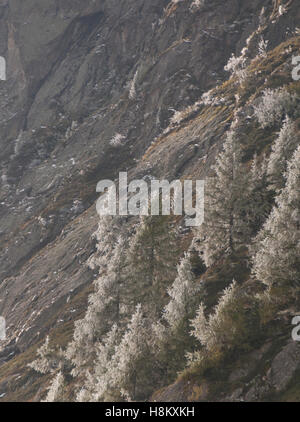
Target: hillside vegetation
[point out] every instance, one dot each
(148, 309)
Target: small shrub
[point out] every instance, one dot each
(237, 66)
(263, 47)
(118, 140)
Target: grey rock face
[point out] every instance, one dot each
(284, 366)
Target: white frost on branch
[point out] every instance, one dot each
(118, 140)
(274, 105)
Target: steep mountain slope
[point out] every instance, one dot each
(79, 73)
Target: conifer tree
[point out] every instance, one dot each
(261, 198)
(125, 363)
(47, 361)
(110, 228)
(276, 259)
(226, 225)
(151, 262)
(56, 390)
(97, 381)
(282, 152)
(217, 329)
(52, 361)
(170, 336)
(103, 311)
(182, 296)
(230, 325)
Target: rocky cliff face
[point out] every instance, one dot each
(78, 74)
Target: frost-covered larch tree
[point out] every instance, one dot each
(182, 295)
(282, 151)
(276, 261)
(109, 229)
(225, 328)
(170, 335)
(122, 376)
(56, 389)
(226, 225)
(151, 262)
(261, 198)
(102, 312)
(217, 329)
(97, 382)
(229, 326)
(47, 361)
(52, 361)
